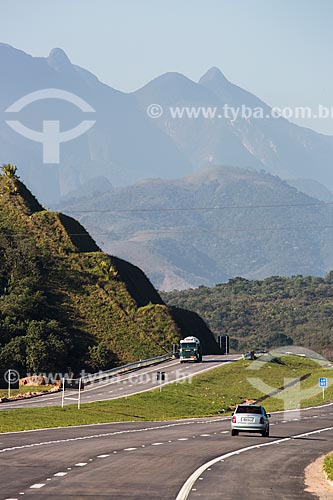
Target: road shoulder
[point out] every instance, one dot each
(316, 482)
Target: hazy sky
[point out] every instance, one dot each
(281, 50)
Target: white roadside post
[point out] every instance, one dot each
(63, 393)
(79, 387)
(79, 398)
(9, 381)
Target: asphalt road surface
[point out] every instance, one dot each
(157, 460)
(128, 384)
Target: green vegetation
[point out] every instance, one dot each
(265, 227)
(64, 304)
(9, 170)
(25, 389)
(210, 394)
(328, 466)
(272, 312)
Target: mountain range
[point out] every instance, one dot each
(131, 170)
(125, 145)
(208, 227)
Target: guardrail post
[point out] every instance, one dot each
(131, 366)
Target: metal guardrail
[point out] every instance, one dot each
(95, 377)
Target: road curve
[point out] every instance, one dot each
(141, 380)
(135, 461)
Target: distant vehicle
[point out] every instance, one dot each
(249, 355)
(190, 350)
(259, 352)
(250, 418)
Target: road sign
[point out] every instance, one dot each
(223, 341)
(160, 376)
(323, 382)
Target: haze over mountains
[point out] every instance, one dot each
(125, 145)
(107, 169)
(218, 223)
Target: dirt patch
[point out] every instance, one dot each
(316, 482)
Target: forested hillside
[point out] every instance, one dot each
(214, 225)
(64, 304)
(272, 312)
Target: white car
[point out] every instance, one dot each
(250, 418)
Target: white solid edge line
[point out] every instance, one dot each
(188, 485)
(156, 388)
(182, 420)
(178, 421)
(97, 436)
(194, 419)
(113, 399)
(57, 395)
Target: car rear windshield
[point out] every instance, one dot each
(249, 409)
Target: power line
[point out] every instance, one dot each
(180, 231)
(197, 209)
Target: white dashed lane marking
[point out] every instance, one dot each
(188, 485)
(82, 464)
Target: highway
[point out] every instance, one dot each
(141, 380)
(194, 459)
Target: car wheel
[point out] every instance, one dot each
(234, 432)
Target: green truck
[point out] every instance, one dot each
(190, 350)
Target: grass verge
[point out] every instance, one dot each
(328, 466)
(210, 394)
(24, 390)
